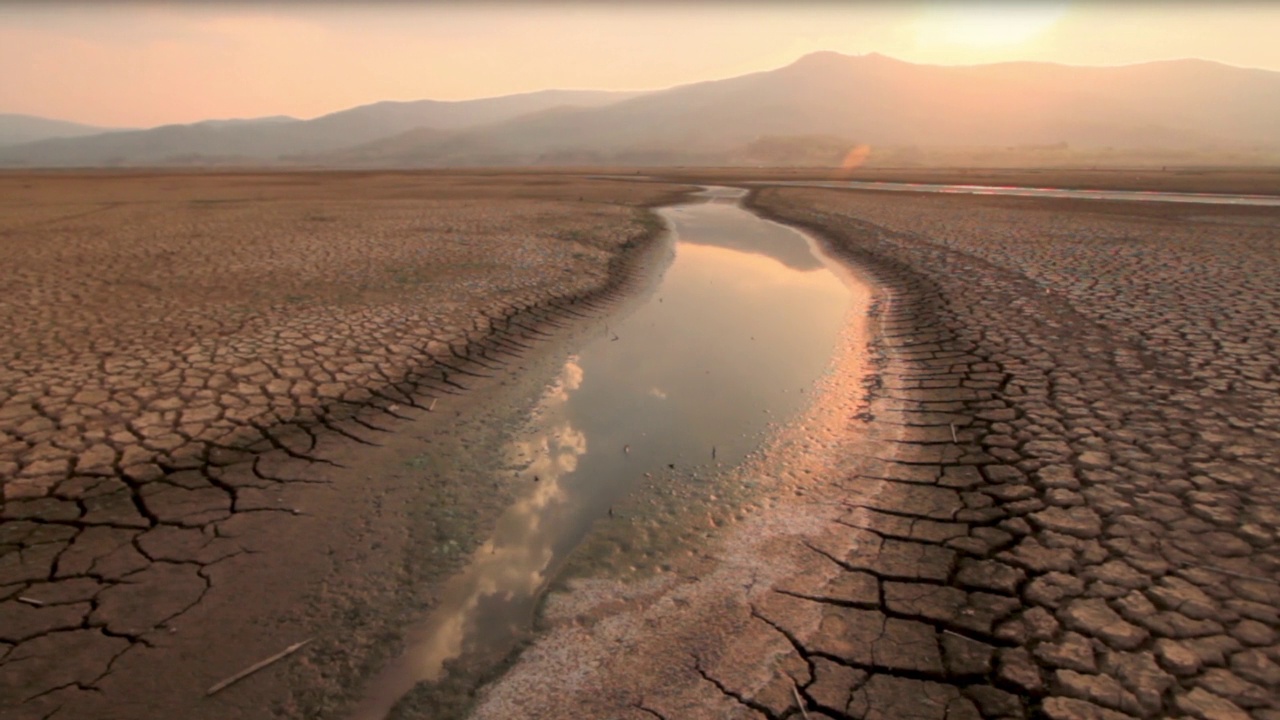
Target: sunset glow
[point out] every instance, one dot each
(856, 157)
(142, 64)
(991, 24)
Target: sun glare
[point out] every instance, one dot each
(991, 24)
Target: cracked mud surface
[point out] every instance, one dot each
(188, 356)
(1059, 500)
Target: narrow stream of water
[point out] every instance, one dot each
(741, 324)
(1138, 195)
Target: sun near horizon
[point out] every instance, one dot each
(144, 64)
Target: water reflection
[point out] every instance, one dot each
(763, 239)
(481, 605)
(746, 316)
(735, 337)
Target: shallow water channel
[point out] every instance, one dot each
(741, 324)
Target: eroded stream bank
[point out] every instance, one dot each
(642, 430)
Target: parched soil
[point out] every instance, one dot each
(153, 318)
(1065, 504)
(179, 347)
(1112, 370)
(1064, 501)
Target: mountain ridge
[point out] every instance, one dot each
(269, 139)
(18, 128)
(1182, 105)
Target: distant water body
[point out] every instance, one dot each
(1130, 195)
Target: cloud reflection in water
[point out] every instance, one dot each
(511, 564)
(510, 567)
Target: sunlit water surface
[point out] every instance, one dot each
(743, 321)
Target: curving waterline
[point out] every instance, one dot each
(743, 321)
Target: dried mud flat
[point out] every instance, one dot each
(1065, 504)
(1112, 372)
(184, 351)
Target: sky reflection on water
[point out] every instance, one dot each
(746, 316)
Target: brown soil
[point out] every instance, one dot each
(150, 316)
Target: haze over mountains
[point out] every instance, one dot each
(811, 112)
(16, 129)
(273, 139)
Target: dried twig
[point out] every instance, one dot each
(954, 439)
(30, 601)
(432, 406)
(258, 666)
(799, 703)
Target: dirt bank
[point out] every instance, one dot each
(1116, 366)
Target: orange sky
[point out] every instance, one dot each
(140, 64)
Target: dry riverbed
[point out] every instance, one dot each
(1045, 487)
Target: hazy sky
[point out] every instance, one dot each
(143, 64)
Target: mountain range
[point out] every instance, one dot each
(16, 129)
(813, 111)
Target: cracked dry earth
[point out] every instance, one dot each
(1099, 537)
(179, 348)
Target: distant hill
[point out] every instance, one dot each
(878, 101)
(240, 122)
(268, 140)
(816, 111)
(15, 129)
